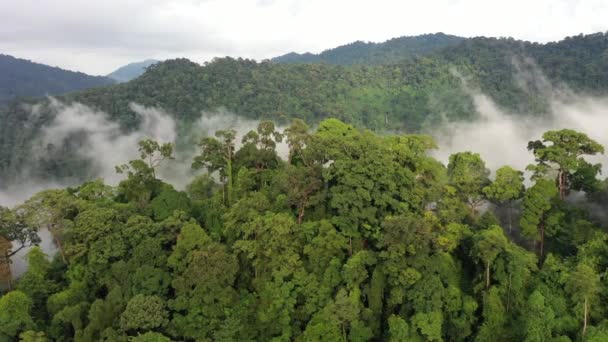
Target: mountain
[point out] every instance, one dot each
(412, 95)
(131, 71)
(390, 51)
(23, 78)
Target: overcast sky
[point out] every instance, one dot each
(98, 36)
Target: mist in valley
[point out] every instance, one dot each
(499, 136)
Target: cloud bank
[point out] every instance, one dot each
(501, 137)
(105, 144)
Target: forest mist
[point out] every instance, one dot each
(499, 136)
(106, 145)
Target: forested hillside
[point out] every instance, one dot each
(389, 52)
(355, 237)
(408, 96)
(22, 78)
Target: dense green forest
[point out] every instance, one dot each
(411, 95)
(22, 78)
(354, 237)
(389, 52)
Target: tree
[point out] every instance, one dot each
(398, 329)
(14, 229)
(467, 172)
(562, 151)
(35, 283)
(494, 318)
(297, 140)
(15, 316)
(265, 136)
(32, 336)
(54, 210)
(141, 183)
(488, 244)
(217, 154)
(539, 319)
(339, 320)
(304, 185)
(144, 313)
(506, 188)
(203, 279)
(154, 153)
(150, 337)
(584, 286)
(536, 207)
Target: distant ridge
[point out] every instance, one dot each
(24, 78)
(390, 51)
(412, 95)
(131, 71)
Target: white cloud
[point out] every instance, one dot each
(501, 138)
(98, 36)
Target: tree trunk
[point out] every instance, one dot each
(509, 214)
(585, 318)
(229, 185)
(542, 241)
(509, 294)
(301, 211)
(61, 251)
(487, 275)
(9, 279)
(561, 182)
(301, 215)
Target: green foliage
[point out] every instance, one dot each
(388, 52)
(405, 84)
(539, 320)
(508, 185)
(357, 237)
(32, 336)
(15, 316)
(562, 151)
(144, 313)
(537, 205)
(468, 174)
(150, 337)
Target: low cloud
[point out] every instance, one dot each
(103, 143)
(501, 137)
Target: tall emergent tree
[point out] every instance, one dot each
(536, 207)
(584, 285)
(141, 182)
(488, 244)
(562, 152)
(217, 154)
(506, 188)
(467, 172)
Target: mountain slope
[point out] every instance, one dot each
(131, 71)
(410, 96)
(390, 51)
(392, 97)
(23, 78)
